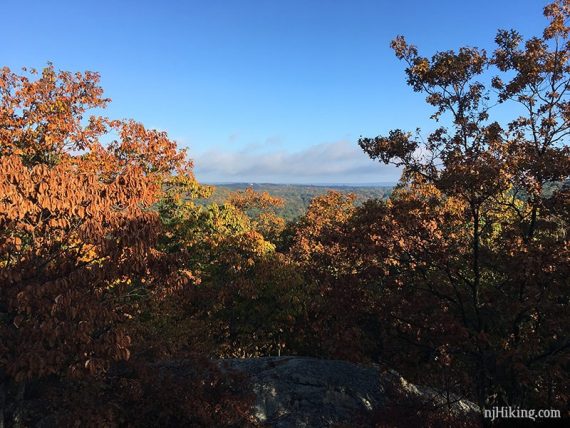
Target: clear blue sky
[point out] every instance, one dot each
(258, 90)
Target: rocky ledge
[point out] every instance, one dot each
(310, 392)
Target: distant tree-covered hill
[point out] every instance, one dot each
(298, 196)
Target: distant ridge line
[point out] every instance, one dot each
(245, 184)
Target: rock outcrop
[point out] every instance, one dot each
(310, 392)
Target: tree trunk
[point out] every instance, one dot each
(2, 403)
(18, 417)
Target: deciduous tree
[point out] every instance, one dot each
(477, 283)
(76, 223)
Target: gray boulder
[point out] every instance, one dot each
(310, 392)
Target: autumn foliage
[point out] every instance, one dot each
(477, 283)
(115, 266)
(77, 230)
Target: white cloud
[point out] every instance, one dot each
(337, 162)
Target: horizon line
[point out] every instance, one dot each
(316, 184)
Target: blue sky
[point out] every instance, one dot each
(259, 90)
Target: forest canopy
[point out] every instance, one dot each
(114, 260)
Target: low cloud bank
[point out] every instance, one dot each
(337, 162)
